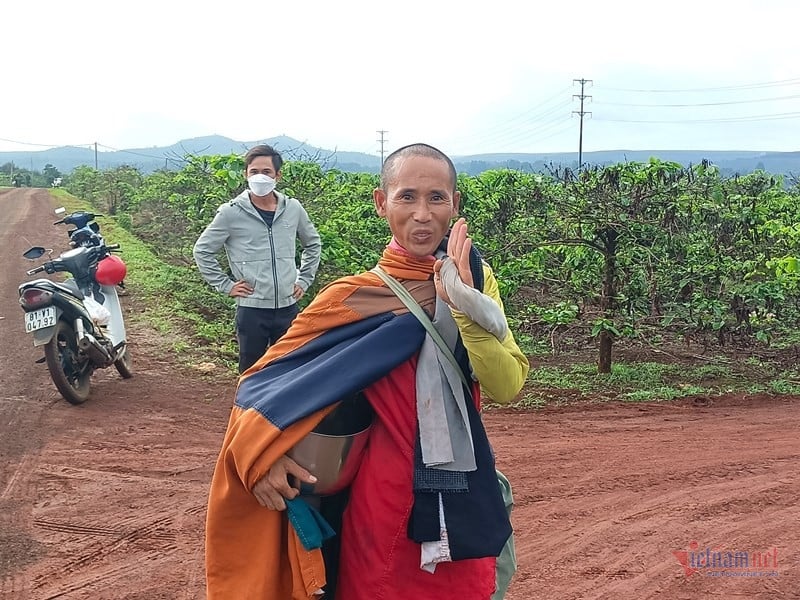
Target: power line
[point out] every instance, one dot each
(536, 111)
(536, 134)
(655, 117)
(746, 86)
(501, 134)
(49, 146)
(746, 119)
(547, 136)
(130, 152)
(512, 125)
(90, 146)
(700, 104)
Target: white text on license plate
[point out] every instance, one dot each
(39, 319)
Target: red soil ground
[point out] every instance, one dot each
(107, 500)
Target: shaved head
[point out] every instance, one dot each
(389, 169)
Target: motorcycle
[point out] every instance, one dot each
(78, 321)
(86, 232)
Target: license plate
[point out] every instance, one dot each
(39, 319)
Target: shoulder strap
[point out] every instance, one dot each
(418, 312)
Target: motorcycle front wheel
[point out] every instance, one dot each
(124, 363)
(68, 370)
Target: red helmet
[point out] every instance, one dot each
(110, 271)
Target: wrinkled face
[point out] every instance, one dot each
(419, 203)
(262, 165)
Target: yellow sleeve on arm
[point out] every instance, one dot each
(500, 367)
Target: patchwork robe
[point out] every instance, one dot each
(357, 335)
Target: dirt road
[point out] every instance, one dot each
(107, 500)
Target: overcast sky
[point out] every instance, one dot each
(469, 77)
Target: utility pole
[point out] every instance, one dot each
(382, 141)
(95, 157)
(581, 112)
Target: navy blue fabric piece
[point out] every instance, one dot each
(311, 527)
(423, 523)
(427, 479)
(477, 522)
(476, 266)
(337, 364)
(476, 518)
(475, 263)
(348, 359)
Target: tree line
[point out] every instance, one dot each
(651, 250)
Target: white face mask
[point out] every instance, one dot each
(261, 185)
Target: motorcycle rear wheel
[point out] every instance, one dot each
(68, 370)
(124, 363)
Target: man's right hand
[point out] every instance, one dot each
(271, 489)
(459, 245)
(241, 288)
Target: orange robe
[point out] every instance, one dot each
(252, 552)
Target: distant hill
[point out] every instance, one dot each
(729, 161)
(66, 158)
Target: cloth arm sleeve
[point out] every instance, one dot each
(499, 366)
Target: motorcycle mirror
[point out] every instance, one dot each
(34, 253)
(60, 210)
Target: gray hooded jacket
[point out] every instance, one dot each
(263, 256)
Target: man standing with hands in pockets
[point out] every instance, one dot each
(259, 230)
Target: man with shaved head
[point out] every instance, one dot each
(422, 337)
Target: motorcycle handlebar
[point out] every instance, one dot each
(38, 269)
(114, 247)
(69, 218)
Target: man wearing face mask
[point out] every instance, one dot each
(259, 230)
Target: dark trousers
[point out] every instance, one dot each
(332, 510)
(258, 328)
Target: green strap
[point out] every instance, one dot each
(418, 312)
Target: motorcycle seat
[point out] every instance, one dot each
(70, 287)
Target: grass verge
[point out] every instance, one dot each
(653, 381)
(195, 324)
(192, 321)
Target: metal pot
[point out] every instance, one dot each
(332, 451)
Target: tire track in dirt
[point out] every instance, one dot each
(151, 524)
(100, 583)
(26, 393)
(117, 555)
(594, 548)
(106, 499)
(654, 480)
(17, 413)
